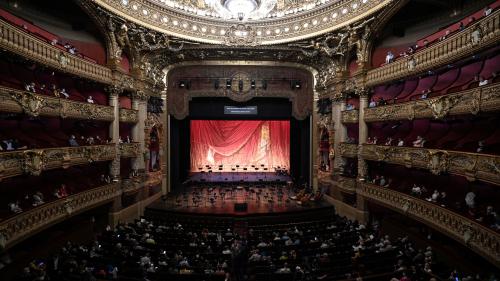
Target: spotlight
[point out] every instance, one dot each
(229, 82)
(182, 84)
(252, 84)
(296, 84)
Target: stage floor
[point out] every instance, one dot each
(251, 177)
(221, 201)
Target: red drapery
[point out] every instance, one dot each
(243, 143)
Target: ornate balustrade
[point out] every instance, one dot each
(128, 150)
(27, 223)
(348, 150)
(34, 161)
(129, 115)
(22, 43)
(132, 185)
(473, 101)
(473, 166)
(346, 184)
(477, 237)
(350, 116)
(17, 101)
(454, 48)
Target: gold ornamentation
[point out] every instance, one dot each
(438, 162)
(33, 162)
(441, 106)
(241, 35)
(31, 103)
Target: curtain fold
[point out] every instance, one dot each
(243, 143)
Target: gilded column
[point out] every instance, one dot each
(139, 103)
(338, 105)
(362, 165)
(165, 184)
(114, 130)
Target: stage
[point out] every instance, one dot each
(235, 177)
(235, 200)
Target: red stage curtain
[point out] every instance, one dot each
(244, 143)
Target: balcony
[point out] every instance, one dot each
(349, 150)
(458, 46)
(31, 47)
(347, 184)
(133, 185)
(17, 101)
(473, 101)
(27, 223)
(129, 115)
(475, 236)
(350, 116)
(35, 161)
(129, 150)
(473, 166)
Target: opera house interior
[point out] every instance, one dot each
(234, 140)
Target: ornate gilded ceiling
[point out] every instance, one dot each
(243, 22)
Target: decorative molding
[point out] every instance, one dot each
(129, 115)
(22, 43)
(475, 236)
(304, 25)
(34, 161)
(133, 185)
(350, 116)
(28, 223)
(452, 49)
(129, 150)
(346, 184)
(17, 101)
(472, 101)
(473, 166)
(348, 150)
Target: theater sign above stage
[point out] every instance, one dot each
(247, 22)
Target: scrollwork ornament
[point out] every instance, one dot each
(33, 162)
(475, 105)
(438, 162)
(31, 104)
(441, 106)
(68, 206)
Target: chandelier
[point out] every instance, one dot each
(242, 9)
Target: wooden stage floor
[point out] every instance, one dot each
(221, 201)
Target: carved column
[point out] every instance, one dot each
(363, 135)
(165, 184)
(338, 105)
(139, 103)
(114, 130)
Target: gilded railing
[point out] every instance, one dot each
(34, 161)
(476, 37)
(22, 43)
(477, 237)
(348, 150)
(128, 150)
(472, 101)
(473, 166)
(129, 115)
(133, 184)
(17, 101)
(30, 222)
(350, 116)
(347, 184)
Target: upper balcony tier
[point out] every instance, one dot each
(350, 116)
(17, 101)
(472, 101)
(473, 166)
(35, 161)
(476, 37)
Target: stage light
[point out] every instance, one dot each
(229, 82)
(296, 84)
(182, 84)
(252, 84)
